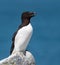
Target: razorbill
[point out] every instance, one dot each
(23, 34)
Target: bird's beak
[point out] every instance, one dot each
(34, 14)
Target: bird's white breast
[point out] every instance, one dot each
(23, 37)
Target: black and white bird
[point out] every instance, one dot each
(23, 34)
(20, 40)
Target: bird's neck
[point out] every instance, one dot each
(25, 22)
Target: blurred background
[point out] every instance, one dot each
(45, 42)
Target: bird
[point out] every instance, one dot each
(23, 34)
(20, 41)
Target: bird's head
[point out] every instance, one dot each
(28, 15)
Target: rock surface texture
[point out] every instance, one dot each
(18, 58)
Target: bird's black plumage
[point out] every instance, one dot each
(13, 38)
(26, 16)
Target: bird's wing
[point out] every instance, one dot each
(13, 38)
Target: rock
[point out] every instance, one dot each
(19, 58)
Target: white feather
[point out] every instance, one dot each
(22, 38)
